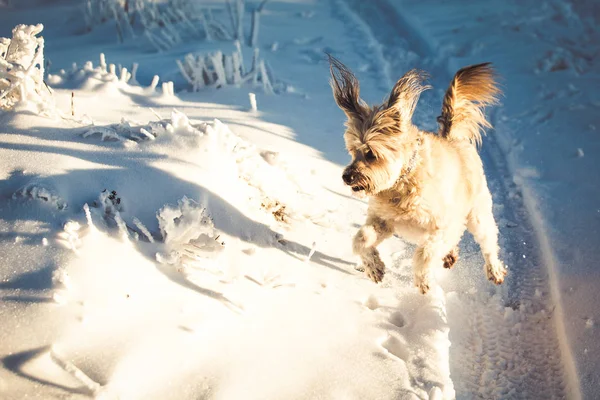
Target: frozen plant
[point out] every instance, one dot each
(253, 40)
(166, 23)
(163, 23)
(110, 202)
(217, 70)
(111, 205)
(22, 68)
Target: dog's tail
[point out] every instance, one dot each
(472, 88)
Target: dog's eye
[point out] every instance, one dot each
(369, 156)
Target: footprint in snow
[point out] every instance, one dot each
(396, 346)
(397, 319)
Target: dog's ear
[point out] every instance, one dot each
(346, 90)
(405, 94)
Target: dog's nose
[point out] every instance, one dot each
(349, 177)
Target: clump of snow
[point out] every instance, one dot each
(187, 231)
(252, 98)
(70, 235)
(177, 127)
(37, 191)
(22, 68)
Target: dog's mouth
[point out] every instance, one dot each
(358, 188)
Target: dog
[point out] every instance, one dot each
(426, 188)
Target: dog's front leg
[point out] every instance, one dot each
(368, 237)
(428, 256)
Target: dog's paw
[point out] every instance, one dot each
(375, 269)
(451, 259)
(422, 283)
(496, 272)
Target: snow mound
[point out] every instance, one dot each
(270, 185)
(261, 175)
(102, 77)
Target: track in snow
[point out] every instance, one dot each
(504, 340)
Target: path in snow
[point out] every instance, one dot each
(504, 341)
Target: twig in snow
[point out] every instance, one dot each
(143, 229)
(253, 42)
(312, 251)
(154, 112)
(252, 97)
(154, 83)
(91, 385)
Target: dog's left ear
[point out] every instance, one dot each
(406, 93)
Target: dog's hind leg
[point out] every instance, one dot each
(427, 257)
(482, 226)
(368, 237)
(440, 245)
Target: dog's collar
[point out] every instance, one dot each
(412, 162)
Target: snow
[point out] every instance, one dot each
(162, 243)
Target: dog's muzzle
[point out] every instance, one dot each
(350, 178)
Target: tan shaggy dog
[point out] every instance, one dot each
(426, 188)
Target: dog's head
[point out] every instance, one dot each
(380, 138)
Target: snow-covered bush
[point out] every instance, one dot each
(217, 70)
(22, 68)
(163, 23)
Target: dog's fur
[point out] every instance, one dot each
(425, 187)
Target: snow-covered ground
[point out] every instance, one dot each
(180, 245)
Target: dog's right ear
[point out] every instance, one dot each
(406, 92)
(346, 90)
